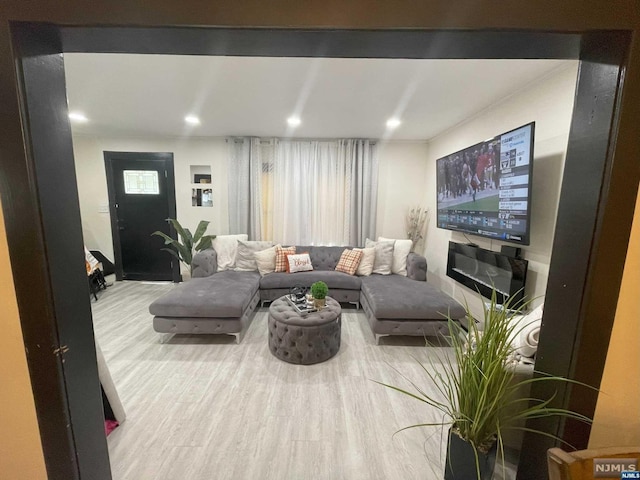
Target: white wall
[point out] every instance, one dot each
(92, 182)
(401, 173)
(401, 182)
(548, 102)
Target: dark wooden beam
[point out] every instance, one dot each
(541, 15)
(581, 296)
(324, 43)
(41, 269)
(51, 280)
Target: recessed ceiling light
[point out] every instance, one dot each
(393, 123)
(78, 117)
(192, 120)
(293, 121)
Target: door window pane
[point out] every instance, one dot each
(143, 182)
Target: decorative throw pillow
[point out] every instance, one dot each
(266, 260)
(281, 257)
(299, 262)
(245, 256)
(366, 262)
(401, 250)
(349, 261)
(226, 246)
(384, 256)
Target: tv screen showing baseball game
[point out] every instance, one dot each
(485, 189)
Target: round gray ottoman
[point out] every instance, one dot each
(304, 339)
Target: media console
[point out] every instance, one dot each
(484, 270)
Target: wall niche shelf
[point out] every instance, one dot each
(200, 174)
(201, 197)
(201, 191)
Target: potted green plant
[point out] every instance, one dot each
(319, 291)
(475, 391)
(185, 249)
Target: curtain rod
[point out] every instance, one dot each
(300, 139)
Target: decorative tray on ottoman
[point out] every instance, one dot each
(300, 306)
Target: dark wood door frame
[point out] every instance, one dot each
(50, 282)
(167, 159)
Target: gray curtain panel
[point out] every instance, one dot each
(239, 157)
(363, 198)
(245, 166)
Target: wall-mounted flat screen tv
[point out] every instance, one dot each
(485, 189)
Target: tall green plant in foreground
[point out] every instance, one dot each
(190, 244)
(476, 389)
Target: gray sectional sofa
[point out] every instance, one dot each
(222, 302)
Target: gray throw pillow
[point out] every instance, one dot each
(384, 256)
(245, 256)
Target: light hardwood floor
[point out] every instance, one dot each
(202, 407)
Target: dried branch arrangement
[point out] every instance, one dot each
(416, 223)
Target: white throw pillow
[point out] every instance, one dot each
(245, 256)
(300, 262)
(366, 263)
(266, 260)
(226, 247)
(526, 332)
(383, 258)
(401, 250)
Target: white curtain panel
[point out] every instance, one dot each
(324, 192)
(308, 185)
(306, 192)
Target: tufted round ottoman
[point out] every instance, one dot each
(312, 338)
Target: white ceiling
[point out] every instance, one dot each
(138, 95)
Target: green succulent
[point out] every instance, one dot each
(319, 290)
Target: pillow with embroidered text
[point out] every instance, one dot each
(349, 261)
(300, 262)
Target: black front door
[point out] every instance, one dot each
(141, 198)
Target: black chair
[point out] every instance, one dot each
(97, 282)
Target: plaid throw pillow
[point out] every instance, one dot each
(281, 257)
(349, 261)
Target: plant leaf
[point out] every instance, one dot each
(189, 237)
(475, 387)
(183, 235)
(167, 239)
(201, 228)
(205, 242)
(172, 252)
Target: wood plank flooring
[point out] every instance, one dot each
(202, 407)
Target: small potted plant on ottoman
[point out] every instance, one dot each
(319, 291)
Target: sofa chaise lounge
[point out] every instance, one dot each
(215, 302)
